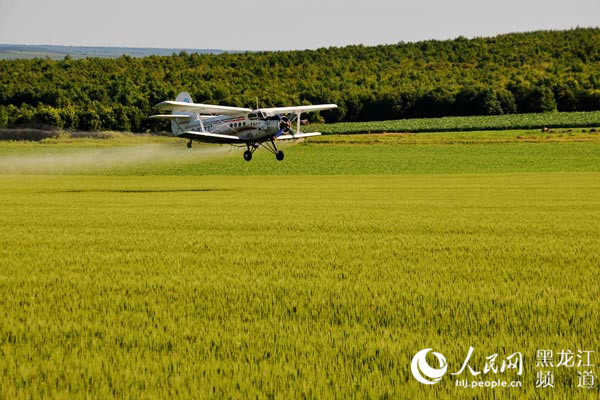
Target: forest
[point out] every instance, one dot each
(540, 71)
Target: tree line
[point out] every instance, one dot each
(513, 73)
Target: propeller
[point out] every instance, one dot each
(284, 125)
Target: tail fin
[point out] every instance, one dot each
(176, 126)
(184, 97)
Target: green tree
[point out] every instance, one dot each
(69, 117)
(88, 120)
(48, 116)
(565, 94)
(541, 99)
(590, 100)
(3, 116)
(524, 72)
(507, 101)
(24, 115)
(121, 119)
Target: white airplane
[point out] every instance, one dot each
(235, 125)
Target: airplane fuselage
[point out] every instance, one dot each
(251, 127)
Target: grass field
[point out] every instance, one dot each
(153, 271)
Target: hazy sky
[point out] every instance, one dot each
(278, 24)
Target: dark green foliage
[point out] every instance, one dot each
(3, 117)
(28, 134)
(50, 116)
(540, 99)
(515, 73)
(590, 100)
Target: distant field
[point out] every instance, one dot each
(141, 269)
(12, 52)
(473, 123)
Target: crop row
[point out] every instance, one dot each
(169, 287)
(472, 123)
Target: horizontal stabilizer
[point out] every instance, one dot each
(298, 136)
(170, 116)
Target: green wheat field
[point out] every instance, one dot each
(132, 267)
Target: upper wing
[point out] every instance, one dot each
(210, 137)
(298, 135)
(201, 108)
(298, 109)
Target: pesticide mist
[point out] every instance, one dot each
(98, 160)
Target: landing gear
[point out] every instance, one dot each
(189, 144)
(268, 144)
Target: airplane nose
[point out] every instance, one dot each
(284, 124)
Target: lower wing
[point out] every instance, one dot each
(219, 138)
(210, 137)
(298, 136)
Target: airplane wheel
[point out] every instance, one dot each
(247, 155)
(189, 145)
(279, 155)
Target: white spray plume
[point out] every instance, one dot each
(81, 160)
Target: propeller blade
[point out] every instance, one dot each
(279, 132)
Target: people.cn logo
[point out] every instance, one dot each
(423, 372)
